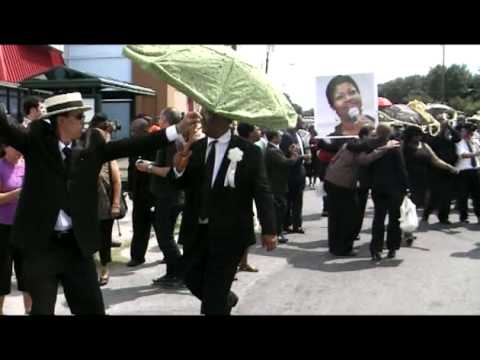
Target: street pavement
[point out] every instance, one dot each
(438, 275)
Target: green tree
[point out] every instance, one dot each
(434, 82)
(457, 79)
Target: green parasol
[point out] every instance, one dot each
(216, 78)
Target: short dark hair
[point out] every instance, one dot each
(98, 119)
(337, 80)
(172, 116)
(410, 132)
(244, 130)
(272, 134)
(29, 103)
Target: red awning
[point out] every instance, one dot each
(18, 62)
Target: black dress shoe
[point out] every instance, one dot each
(376, 256)
(116, 244)
(445, 222)
(170, 282)
(351, 253)
(282, 240)
(287, 230)
(135, 262)
(299, 231)
(325, 213)
(465, 221)
(232, 299)
(391, 254)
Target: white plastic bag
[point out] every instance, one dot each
(408, 216)
(320, 191)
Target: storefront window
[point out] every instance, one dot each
(13, 99)
(3, 97)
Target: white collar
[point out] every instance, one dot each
(277, 146)
(225, 138)
(61, 145)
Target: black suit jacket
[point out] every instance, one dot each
(389, 174)
(48, 188)
(297, 173)
(139, 182)
(230, 226)
(278, 166)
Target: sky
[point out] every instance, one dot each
(293, 68)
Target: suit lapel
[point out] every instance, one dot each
(203, 150)
(53, 152)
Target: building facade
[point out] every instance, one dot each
(108, 61)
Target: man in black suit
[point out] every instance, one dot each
(138, 186)
(278, 166)
(296, 181)
(56, 225)
(168, 202)
(224, 174)
(442, 182)
(389, 183)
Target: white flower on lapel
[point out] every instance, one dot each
(235, 155)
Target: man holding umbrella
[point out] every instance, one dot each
(222, 174)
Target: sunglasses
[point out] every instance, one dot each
(79, 116)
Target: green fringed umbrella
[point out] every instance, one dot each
(216, 78)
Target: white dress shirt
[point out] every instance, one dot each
(26, 122)
(220, 149)
(276, 145)
(64, 222)
(462, 148)
(300, 144)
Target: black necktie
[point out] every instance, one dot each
(473, 160)
(68, 154)
(207, 181)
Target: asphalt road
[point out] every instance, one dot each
(439, 274)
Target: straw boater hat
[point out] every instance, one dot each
(63, 103)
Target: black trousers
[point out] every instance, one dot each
(209, 274)
(294, 207)
(468, 186)
(105, 250)
(441, 195)
(362, 194)
(62, 263)
(342, 218)
(386, 204)
(280, 203)
(142, 222)
(166, 213)
(9, 255)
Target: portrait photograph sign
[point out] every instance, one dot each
(344, 104)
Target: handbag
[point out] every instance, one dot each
(408, 216)
(123, 202)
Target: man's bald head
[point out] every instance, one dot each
(139, 127)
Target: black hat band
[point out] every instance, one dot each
(66, 105)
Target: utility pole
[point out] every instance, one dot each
(444, 70)
(266, 60)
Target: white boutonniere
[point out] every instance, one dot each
(235, 155)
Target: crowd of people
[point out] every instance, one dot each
(61, 191)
